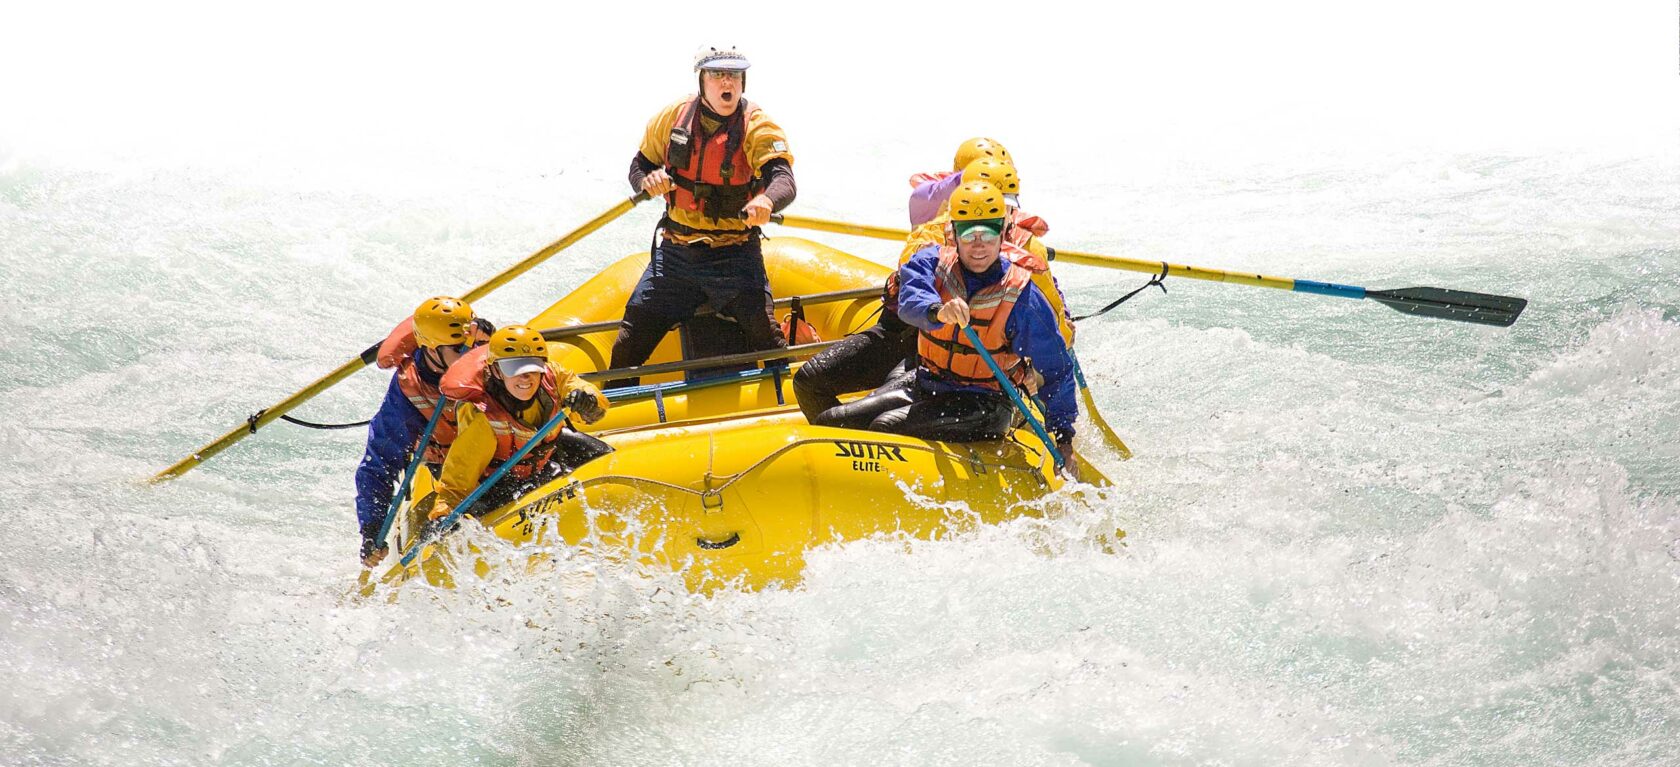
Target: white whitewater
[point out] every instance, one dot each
(1355, 537)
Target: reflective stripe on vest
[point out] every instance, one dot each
(424, 397)
(946, 351)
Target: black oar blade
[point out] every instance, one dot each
(1459, 305)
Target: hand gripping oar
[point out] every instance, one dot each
(443, 526)
(264, 417)
(1439, 303)
(1014, 396)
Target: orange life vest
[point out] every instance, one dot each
(1017, 235)
(397, 351)
(466, 382)
(946, 351)
(398, 345)
(1032, 225)
(716, 180)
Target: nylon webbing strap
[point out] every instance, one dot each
(301, 422)
(1156, 281)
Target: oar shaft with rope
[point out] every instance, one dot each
(264, 417)
(1439, 303)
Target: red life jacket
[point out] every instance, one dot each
(717, 180)
(1033, 225)
(1018, 234)
(947, 352)
(466, 382)
(398, 345)
(397, 350)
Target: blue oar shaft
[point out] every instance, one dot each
(1014, 396)
(413, 466)
(1328, 289)
(484, 487)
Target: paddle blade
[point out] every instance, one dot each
(1113, 440)
(1458, 305)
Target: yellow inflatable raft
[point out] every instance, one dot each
(716, 473)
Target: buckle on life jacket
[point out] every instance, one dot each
(721, 200)
(680, 147)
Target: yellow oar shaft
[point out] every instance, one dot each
(1173, 270)
(1062, 256)
(240, 432)
(563, 243)
(347, 369)
(841, 227)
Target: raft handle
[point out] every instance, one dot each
(733, 539)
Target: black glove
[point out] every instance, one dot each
(584, 404)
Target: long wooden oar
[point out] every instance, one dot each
(1439, 303)
(264, 417)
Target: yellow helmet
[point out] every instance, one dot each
(993, 171)
(978, 147)
(976, 201)
(443, 321)
(517, 341)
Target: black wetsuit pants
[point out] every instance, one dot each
(679, 279)
(905, 406)
(859, 362)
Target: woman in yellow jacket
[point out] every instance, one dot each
(506, 390)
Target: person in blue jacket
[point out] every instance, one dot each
(419, 349)
(953, 394)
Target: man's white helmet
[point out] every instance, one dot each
(727, 59)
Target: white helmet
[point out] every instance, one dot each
(728, 59)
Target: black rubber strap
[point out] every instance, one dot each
(1157, 281)
(301, 422)
(251, 422)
